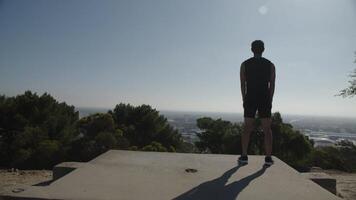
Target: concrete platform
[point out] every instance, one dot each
(125, 175)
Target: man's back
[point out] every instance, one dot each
(258, 76)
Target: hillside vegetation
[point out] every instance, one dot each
(38, 132)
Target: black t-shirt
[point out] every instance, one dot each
(258, 75)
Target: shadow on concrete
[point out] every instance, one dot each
(45, 183)
(216, 189)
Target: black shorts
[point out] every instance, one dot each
(263, 107)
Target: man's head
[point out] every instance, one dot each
(257, 47)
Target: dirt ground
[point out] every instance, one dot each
(345, 182)
(13, 179)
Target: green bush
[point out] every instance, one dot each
(341, 157)
(154, 146)
(133, 148)
(46, 154)
(106, 140)
(20, 157)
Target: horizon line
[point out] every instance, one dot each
(223, 112)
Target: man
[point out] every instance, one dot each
(257, 76)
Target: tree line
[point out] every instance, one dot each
(38, 132)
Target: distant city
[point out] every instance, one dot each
(324, 131)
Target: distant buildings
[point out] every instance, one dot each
(322, 139)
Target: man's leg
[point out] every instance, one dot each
(246, 134)
(266, 126)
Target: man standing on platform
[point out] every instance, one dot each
(257, 76)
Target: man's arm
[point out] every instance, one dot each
(273, 79)
(243, 81)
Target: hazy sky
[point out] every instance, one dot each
(178, 54)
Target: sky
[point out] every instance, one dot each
(178, 54)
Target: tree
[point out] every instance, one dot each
(142, 125)
(218, 136)
(351, 90)
(35, 131)
(289, 144)
(98, 134)
(38, 132)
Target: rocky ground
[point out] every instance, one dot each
(11, 180)
(345, 182)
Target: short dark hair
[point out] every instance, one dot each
(257, 46)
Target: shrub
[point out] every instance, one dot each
(154, 146)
